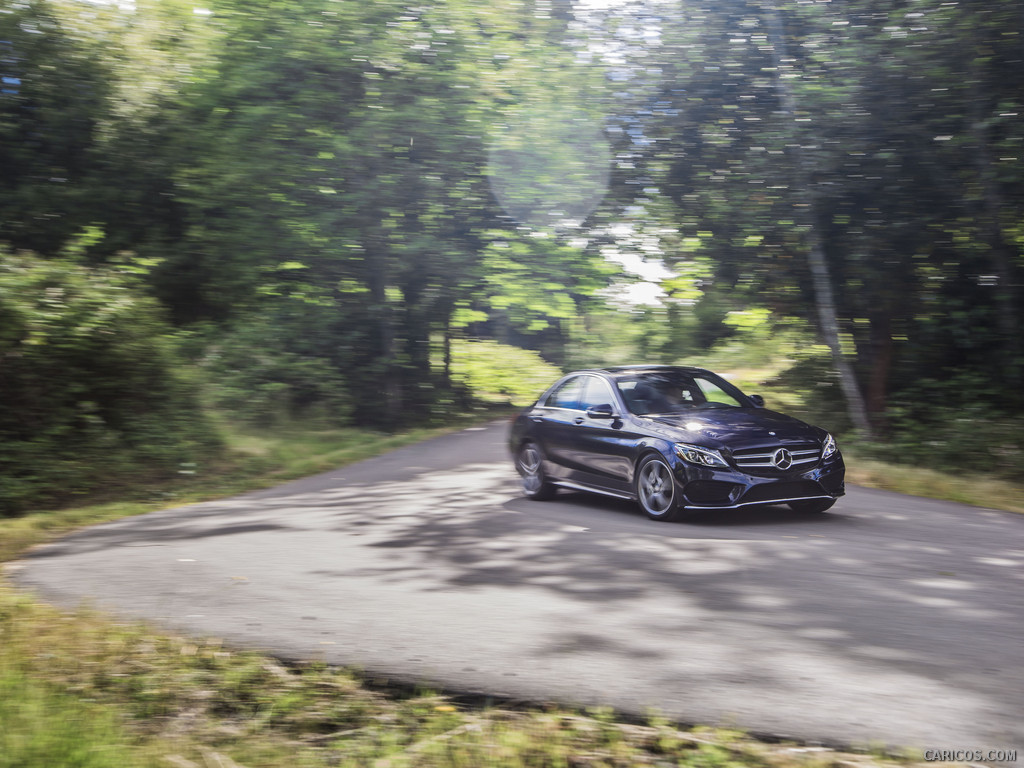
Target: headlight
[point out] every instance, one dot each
(704, 457)
(828, 447)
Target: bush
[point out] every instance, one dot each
(260, 372)
(89, 394)
(957, 422)
(499, 372)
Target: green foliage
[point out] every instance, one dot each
(493, 371)
(365, 160)
(46, 727)
(808, 388)
(54, 95)
(535, 286)
(89, 384)
(780, 361)
(960, 423)
(265, 372)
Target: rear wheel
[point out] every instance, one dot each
(530, 464)
(810, 506)
(656, 489)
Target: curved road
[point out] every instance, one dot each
(892, 619)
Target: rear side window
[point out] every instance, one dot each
(567, 395)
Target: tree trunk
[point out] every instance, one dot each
(391, 385)
(989, 206)
(824, 298)
(415, 331)
(881, 364)
(447, 326)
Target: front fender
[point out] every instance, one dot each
(664, 448)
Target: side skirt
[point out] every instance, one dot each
(589, 489)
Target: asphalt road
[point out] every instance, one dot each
(891, 619)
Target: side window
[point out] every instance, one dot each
(715, 394)
(567, 395)
(595, 392)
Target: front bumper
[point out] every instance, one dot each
(729, 488)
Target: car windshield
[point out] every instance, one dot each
(677, 392)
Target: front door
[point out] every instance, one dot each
(603, 446)
(556, 425)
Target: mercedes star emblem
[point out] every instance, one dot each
(782, 459)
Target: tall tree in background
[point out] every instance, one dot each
(807, 215)
(864, 135)
(54, 94)
(331, 168)
(333, 158)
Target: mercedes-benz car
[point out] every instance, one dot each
(675, 439)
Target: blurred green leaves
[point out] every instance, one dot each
(89, 381)
(328, 199)
(501, 373)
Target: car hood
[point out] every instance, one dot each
(734, 428)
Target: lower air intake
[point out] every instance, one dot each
(769, 492)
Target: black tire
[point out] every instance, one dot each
(655, 487)
(530, 465)
(811, 506)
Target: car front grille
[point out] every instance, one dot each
(763, 460)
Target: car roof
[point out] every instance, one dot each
(620, 371)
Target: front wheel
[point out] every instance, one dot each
(530, 464)
(811, 506)
(656, 489)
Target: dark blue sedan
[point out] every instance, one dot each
(676, 440)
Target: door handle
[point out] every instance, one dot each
(578, 420)
(537, 419)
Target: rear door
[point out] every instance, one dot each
(554, 424)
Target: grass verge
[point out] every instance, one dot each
(83, 689)
(976, 490)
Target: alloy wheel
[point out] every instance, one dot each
(656, 488)
(529, 465)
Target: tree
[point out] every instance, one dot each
(91, 391)
(54, 95)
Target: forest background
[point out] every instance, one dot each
(379, 214)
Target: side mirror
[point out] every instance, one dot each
(603, 411)
(757, 400)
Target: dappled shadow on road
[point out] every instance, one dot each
(880, 599)
(166, 527)
(873, 594)
(163, 528)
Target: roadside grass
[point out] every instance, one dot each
(976, 490)
(84, 689)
